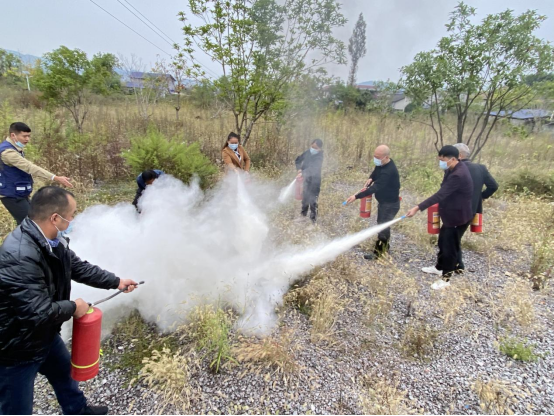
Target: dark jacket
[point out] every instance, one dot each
(480, 176)
(35, 285)
(310, 165)
(386, 184)
(454, 197)
(142, 186)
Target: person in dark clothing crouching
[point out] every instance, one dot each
(36, 270)
(454, 198)
(143, 180)
(309, 165)
(384, 183)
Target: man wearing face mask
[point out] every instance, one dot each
(17, 173)
(384, 183)
(36, 270)
(308, 165)
(455, 210)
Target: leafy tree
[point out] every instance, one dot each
(356, 48)
(261, 47)
(68, 79)
(478, 73)
(10, 65)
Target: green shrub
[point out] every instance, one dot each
(527, 182)
(518, 350)
(210, 328)
(155, 151)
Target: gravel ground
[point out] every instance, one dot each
(329, 375)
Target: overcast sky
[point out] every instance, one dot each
(397, 29)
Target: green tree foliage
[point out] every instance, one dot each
(68, 79)
(262, 46)
(155, 151)
(477, 72)
(356, 48)
(10, 66)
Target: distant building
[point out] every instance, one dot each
(140, 80)
(526, 116)
(398, 100)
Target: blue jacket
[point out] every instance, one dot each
(14, 183)
(142, 185)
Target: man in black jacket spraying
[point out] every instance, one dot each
(36, 269)
(454, 199)
(308, 165)
(384, 183)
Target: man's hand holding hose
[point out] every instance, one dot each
(82, 307)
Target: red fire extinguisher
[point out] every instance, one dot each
(85, 345)
(477, 223)
(299, 188)
(433, 219)
(365, 206)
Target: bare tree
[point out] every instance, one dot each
(147, 87)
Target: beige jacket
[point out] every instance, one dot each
(13, 157)
(232, 161)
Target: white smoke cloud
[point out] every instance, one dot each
(191, 247)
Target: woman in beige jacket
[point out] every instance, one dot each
(234, 155)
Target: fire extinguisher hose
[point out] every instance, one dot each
(114, 295)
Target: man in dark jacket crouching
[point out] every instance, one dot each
(36, 269)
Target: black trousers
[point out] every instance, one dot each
(309, 197)
(450, 249)
(17, 207)
(385, 213)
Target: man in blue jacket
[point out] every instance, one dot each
(455, 210)
(143, 180)
(17, 173)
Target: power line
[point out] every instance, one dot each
(146, 24)
(172, 44)
(162, 32)
(130, 28)
(149, 21)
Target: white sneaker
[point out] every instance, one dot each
(439, 284)
(431, 270)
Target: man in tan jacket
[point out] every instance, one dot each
(17, 173)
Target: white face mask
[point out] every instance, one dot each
(233, 146)
(377, 162)
(443, 165)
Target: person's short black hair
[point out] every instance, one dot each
(319, 143)
(19, 127)
(449, 151)
(148, 175)
(233, 135)
(47, 201)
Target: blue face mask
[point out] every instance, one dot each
(314, 151)
(378, 162)
(19, 144)
(66, 231)
(233, 146)
(443, 165)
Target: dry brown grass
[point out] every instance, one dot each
(274, 353)
(495, 396)
(168, 374)
(515, 305)
(419, 340)
(382, 396)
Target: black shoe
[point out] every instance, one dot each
(95, 410)
(371, 256)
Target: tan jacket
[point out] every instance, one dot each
(13, 157)
(232, 161)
